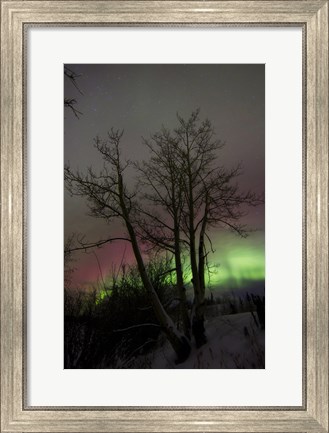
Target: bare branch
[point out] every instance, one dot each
(98, 244)
(70, 103)
(72, 76)
(142, 325)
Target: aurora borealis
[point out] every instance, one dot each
(140, 98)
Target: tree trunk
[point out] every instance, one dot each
(198, 317)
(198, 329)
(181, 289)
(177, 340)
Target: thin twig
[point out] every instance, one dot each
(136, 326)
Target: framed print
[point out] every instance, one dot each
(108, 275)
(176, 154)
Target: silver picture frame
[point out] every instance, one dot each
(312, 17)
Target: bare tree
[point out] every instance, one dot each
(68, 101)
(197, 194)
(108, 197)
(162, 180)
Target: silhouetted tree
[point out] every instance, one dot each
(108, 197)
(70, 102)
(162, 180)
(197, 194)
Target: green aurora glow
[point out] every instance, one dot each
(237, 263)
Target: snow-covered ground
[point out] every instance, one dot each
(234, 341)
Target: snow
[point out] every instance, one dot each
(234, 341)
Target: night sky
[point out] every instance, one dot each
(142, 98)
